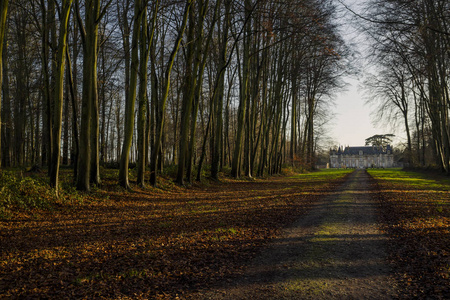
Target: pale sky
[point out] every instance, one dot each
(353, 120)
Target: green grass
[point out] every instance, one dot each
(416, 180)
(323, 174)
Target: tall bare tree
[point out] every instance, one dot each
(3, 17)
(165, 93)
(139, 11)
(87, 163)
(59, 92)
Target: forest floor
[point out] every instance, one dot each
(328, 234)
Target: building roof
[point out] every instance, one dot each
(368, 150)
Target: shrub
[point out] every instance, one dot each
(24, 192)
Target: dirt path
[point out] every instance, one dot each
(334, 252)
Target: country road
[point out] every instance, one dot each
(336, 251)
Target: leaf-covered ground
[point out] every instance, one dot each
(154, 243)
(416, 215)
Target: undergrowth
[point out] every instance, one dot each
(20, 193)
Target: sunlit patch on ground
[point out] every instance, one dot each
(416, 214)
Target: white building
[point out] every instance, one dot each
(362, 157)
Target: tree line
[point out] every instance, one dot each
(411, 49)
(225, 84)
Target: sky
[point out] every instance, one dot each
(352, 123)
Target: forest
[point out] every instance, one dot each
(201, 87)
(409, 86)
(242, 86)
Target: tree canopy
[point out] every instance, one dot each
(380, 140)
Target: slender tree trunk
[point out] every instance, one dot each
(189, 83)
(235, 168)
(21, 94)
(89, 35)
(203, 56)
(219, 94)
(94, 176)
(65, 150)
(84, 155)
(154, 98)
(125, 28)
(293, 149)
(5, 85)
(146, 41)
(102, 101)
(37, 134)
(255, 103)
(59, 93)
(130, 101)
(164, 96)
(72, 90)
(205, 140)
(3, 17)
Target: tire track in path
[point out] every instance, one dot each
(336, 251)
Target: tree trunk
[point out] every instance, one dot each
(145, 45)
(219, 94)
(235, 168)
(21, 94)
(89, 34)
(130, 101)
(3, 17)
(6, 146)
(72, 90)
(293, 145)
(190, 81)
(59, 93)
(159, 126)
(205, 140)
(65, 150)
